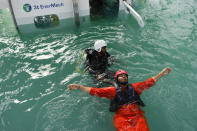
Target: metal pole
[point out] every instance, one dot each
(76, 12)
(13, 16)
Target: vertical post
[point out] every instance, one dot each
(76, 12)
(12, 13)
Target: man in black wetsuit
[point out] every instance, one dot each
(97, 60)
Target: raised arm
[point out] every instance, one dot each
(141, 86)
(106, 92)
(78, 87)
(166, 70)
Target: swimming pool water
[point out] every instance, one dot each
(35, 70)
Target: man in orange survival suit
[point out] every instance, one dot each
(125, 100)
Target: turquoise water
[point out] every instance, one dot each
(36, 69)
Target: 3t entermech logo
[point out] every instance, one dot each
(27, 7)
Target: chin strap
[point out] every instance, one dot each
(123, 83)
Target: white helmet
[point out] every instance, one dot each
(99, 44)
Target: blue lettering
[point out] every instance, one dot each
(36, 7)
(52, 5)
(41, 7)
(48, 6)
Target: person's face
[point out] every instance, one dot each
(122, 78)
(104, 49)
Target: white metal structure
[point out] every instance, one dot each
(134, 13)
(4, 4)
(24, 12)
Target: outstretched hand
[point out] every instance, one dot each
(101, 76)
(166, 70)
(73, 87)
(78, 87)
